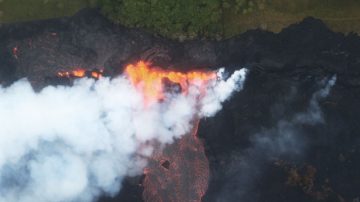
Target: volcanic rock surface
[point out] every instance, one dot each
(285, 70)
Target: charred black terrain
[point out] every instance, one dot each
(320, 162)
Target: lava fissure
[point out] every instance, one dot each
(151, 81)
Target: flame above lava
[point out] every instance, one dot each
(150, 80)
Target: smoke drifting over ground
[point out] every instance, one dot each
(284, 140)
(75, 143)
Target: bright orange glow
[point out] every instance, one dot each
(63, 74)
(151, 80)
(80, 73)
(96, 74)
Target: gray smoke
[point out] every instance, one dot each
(285, 138)
(75, 143)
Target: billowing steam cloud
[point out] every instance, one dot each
(283, 140)
(221, 91)
(75, 143)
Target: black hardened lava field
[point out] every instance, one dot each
(290, 134)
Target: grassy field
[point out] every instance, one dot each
(340, 15)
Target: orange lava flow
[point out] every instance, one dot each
(150, 80)
(178, 172)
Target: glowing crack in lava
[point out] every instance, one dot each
(80, 73)
(178, 172)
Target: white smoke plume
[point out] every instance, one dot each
(76, 143)
(222, 90)
(285, 138)
(314, 114)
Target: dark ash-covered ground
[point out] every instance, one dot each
(319, 162)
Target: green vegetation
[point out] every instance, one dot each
(178, 18)
(244, 6)
(186, 19)
(341, 16)
(174, 18)
(26, 10)
(224, 18)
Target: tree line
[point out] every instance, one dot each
(179, 19)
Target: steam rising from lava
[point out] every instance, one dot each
(284, 140)
(75, 143)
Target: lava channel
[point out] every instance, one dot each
(178, 172)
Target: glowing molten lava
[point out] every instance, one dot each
(150, 81)
(80, 73)
(179, 172)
